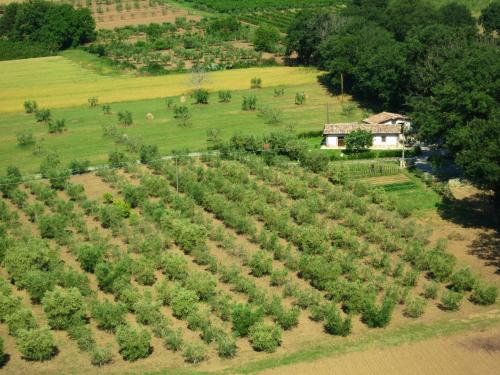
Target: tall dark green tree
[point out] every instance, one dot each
(490, 17)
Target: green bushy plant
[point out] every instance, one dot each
(108, 315)
(265, 337)
(125, 118)
(378, 316)
(100, 356)
(256, 83)
(82, 334)
(300, 98)
(224, 96)
(243, 317)
(63, 308)
(431, 290)
(451, 301)
(134, 343)
(414, 307)
(334, 324)
(279, 277)
(462, 280)
(249, 103)
(204, 284)
(173, 339)
(21, 319)
(30, 106)
(42, 115)
(174, 266)
(36, 344)
(484, 294)
(194, 353)
(89, 255)
(261, 264)
(37, 283)
(226, 346)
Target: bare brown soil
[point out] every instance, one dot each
(468, 354)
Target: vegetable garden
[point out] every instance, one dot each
(195, 258)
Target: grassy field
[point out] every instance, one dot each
(57, 82)
(64, 86)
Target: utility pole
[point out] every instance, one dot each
(342, 88)
(402, 164)
(327, 113)
(177, 174)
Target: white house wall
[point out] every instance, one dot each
(391, 142)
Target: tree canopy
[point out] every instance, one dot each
(59, 26)
(409, 56)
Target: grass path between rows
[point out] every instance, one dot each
(375, 339)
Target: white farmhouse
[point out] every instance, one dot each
(384, 136)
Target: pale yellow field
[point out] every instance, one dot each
(56, 82)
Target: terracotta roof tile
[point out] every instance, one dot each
(383, 117)
(347, 128)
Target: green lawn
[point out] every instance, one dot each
(83, 138)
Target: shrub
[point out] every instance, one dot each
(265, 337)
(134, 343)
(21, 319)
(288, 319)
(484, 294)
(57, 126)
(451, 301)
(125, 118)
(243, 317)
(42, 115)
(204, 284)
(63, 308)
(83, 336)
(431, 290)
(144, 271)
(111, 216)
(256, 83)
(2, 352)
(194, 353)
(271, 116)
(106, 109)
(25, 138)
(378, 317)
(183, 303)
(201, 96)
(414, 307)
(146, 311)
(249, 103)
(79, 166)
(174, 266)
(279, 277)
(89, 255)
(300, 98)
(117, 159)
(93, 101)
(224, 96)
(358, 140)
(37, 283)
(109, 315)
(279, 91)
(53, 226)
(36, 344)
(261, 264)
(266, 38)
(8, 306)
(439, 264)
(30, 106)
(334, 324)
(317, 313)
(173, 339)
(101, 356)
(182, 114)
(462, 280)
(149, 153)
(226, 346)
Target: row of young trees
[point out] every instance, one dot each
(433, 63)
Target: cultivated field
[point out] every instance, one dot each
(58, 82)
(64, 87)
(322, 260)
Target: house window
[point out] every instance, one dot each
(383, 138)
(340, 141)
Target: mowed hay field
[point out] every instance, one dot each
(64, 87)
(57, 82)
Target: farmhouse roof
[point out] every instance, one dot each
(348, 127)
(381, 117)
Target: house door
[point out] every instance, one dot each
(341, 142)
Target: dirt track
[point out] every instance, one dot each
(467, 354)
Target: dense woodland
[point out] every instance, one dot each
(37, 27)
(437, 64)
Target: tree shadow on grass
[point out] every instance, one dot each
(487, 248)
(332, 84)
(4, 360)
(476, 211)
